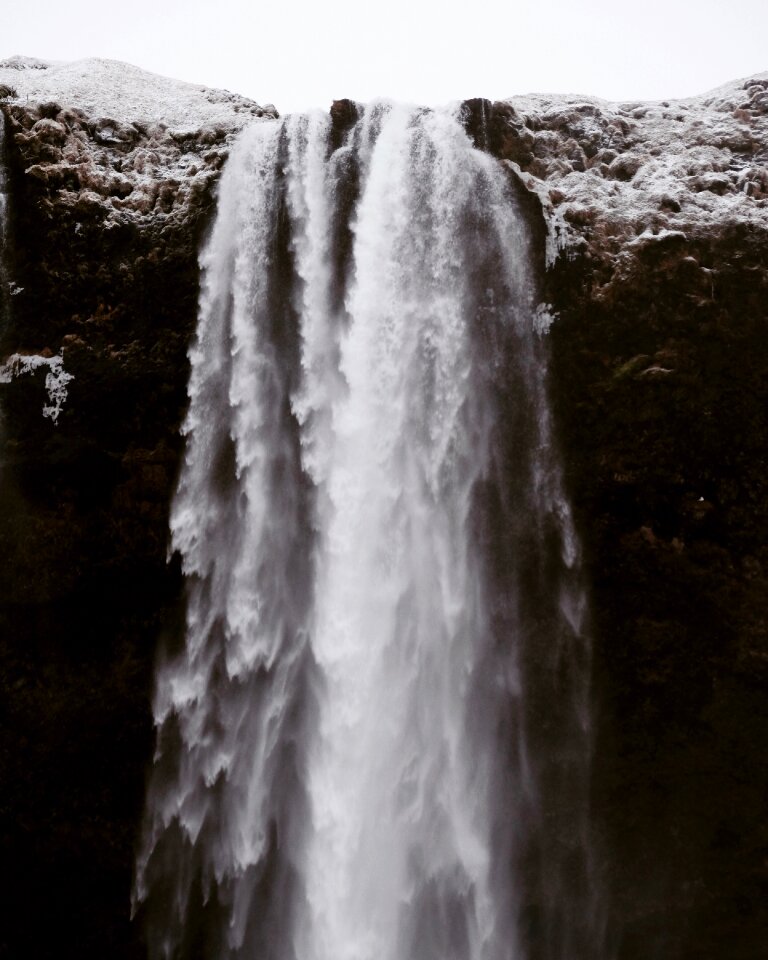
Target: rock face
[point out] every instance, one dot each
(658, 249)
(106, 214)
(613, 175)
(655, 221)
(659, 380)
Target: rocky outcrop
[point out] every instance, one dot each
(609, 175)
(657, 225)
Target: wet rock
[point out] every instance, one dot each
(50, 109)
(119, 136)
(670, 203)
(344, 115)
(498, 128)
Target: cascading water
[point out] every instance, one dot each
(374, 744)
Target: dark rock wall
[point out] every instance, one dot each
(85, 590)
(660, 385)
(660, 380)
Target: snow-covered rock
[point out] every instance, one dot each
(143, 147)
(109, 88)
(609, 172)
(56, 378)
(105, 136)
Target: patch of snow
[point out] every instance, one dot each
(122, 92)
(56, 379)
(543, 318)
(559, 237)
(648, 236)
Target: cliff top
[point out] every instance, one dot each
(109, 88)
(108, 140)
(609, 173)
(610, 176)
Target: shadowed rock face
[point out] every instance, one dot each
(661, 395)
(104, 238)
(657, 240)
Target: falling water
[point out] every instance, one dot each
(374, 744)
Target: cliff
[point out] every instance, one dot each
(109, 197)
(657, 218)
(654, 222)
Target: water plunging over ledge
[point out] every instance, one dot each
(374, 744)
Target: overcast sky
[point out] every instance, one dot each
(301, 54)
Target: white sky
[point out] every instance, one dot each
(301, 54)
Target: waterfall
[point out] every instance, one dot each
(373, 743)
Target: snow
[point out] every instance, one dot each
(56, 379)
(699, 160)
(543, 318)
(648, 236)
(122, 92)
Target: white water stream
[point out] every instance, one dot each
(374, 743)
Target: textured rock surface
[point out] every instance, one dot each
(106, 215)
(657, 217)
(661, 391)
(108, 141)
(660, 215)
(610, 175)
(658, 227)
(658, 251)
